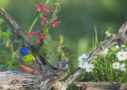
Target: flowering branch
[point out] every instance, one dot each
(54, 72)
(39, 8)
(20, 32)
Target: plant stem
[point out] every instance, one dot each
(33, 24)
(46, 2)
(111, 71)
(36, 19)
(11, 46)
(123, 77)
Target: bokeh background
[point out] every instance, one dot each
(78, 18)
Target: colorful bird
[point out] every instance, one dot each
(27, 61)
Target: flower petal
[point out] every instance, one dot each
(39, 40)
(43, 18)
(43, 22)
(30, 34)
(53, 24)
(46, 15)
(44, 8)
(43, 36)
(37, 33)
(39, 7)
(47, 10)
(55, 18)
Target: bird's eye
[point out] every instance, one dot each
(21, 50)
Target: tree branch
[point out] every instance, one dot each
(100, 85)
(22, 80)
(119, 37)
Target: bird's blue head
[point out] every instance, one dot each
(24, 51)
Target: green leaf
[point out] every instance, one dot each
(6, 56)
(2, 66)
(2, 27)
(96, 36)
(10, 67)
(1, 34)
(53, 15)
(41, 14)
(5, 40)
(9, 32)
(3, 47)
(14, 60)
(17, 41)
(1, 20)
(36, 13)
(49, 50)
(8, 62)
(59, 7)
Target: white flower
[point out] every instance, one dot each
(105, 51)
(109, 34)
(123, 46)
(122, 55)
(123, 67)
(83, 65)
(117, 47)
(122, 50)
(116, 65)
(82, 58)
(89, 68)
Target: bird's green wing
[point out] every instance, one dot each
(29, 61)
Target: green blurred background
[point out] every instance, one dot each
(78, 19)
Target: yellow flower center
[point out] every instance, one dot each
(83, 63)
(114, 48)
(83, 58)
(124, 46)
(122, 55)
(116, 65)
(124, 66)
(90, 68)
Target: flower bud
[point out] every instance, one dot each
(60, 40)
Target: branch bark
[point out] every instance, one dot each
(100, 86)
(22, 80)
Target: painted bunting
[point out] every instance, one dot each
(27, 61)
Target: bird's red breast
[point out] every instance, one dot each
(27, 68)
